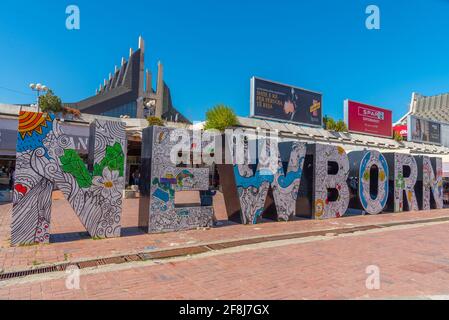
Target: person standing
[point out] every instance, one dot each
(136, 177)
(12, 177)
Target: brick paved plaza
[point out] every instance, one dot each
(409, 249)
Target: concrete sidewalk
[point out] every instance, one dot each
(412, 261)
(72, 244)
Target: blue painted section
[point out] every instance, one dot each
(265, 175)
(286, 181)
(255, 181)
(35, 140)
(361, 172)
(383, 202)
(162, 195)
(363, 165)
(257, 215)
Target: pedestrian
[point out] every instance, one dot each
(12, 177)
(136, 177)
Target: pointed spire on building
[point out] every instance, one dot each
(123, 61)
(160, 76)
(115, 69)
(130, 52)
(160, 90)
(141, 44)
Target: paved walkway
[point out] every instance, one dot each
(413, 262)
(72, 243)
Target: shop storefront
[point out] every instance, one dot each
(8, 138)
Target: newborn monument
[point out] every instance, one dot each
(315, 181)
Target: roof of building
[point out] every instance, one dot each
(350, 141)
(123, 85)
(130, 83)
(435, 108)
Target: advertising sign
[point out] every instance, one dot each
(271, 100)
(402, 130)
(421, 130)
(366, 119)
(445, 135)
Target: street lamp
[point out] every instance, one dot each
(38, 88)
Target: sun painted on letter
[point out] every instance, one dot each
(30, 122)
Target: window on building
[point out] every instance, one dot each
(129, 109)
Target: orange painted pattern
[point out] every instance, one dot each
(30, 122)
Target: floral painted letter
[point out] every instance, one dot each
(46, 158)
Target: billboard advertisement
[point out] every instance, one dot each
(421, 130)
(402, 130)
(366, 119)
(272, 100)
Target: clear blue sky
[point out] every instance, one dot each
(211, 49)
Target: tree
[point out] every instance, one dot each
(397, 136)
(332, 125)
(155, 121)
(72, 111)
(50, 103)
(220, 118)
(340, 126)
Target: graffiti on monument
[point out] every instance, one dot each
(325, 180)
(46, 158)
(282, 176)
(371, 196)
(162, 179)
(429, 187)
(253, 187)
(403, 177)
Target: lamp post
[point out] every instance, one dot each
(38, 88)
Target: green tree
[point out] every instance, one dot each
(332, 125)
(50, 103)
(220, 118)
(397, 136)
(155, 121)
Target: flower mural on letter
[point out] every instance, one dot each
(109, 185)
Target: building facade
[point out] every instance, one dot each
(128, 92)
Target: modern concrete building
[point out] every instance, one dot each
(435, 108)
(128, 92)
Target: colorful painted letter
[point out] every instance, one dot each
(403, 177)
(161, 180)
(429, 188)
(330, 192)
(365, 166)
(252, 187)
(46, 158)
